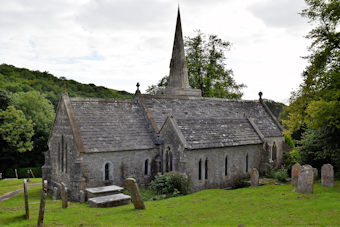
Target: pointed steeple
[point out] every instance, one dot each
(178, 78)
(178, 68)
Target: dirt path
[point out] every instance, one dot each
(13, 193)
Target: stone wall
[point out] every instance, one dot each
(279, 143)
(122, 165)
(236, 167)
(63, 155)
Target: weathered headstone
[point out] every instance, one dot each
(327, 175)
(42, 204)
(315, 173)
(136, 197)
(32, 173)
(306, 180)
(295, 173)
(55, 193)
(254, 177)
(28, 176)
(82, 196)
(16, 173)
(64, 195)
(26, 200)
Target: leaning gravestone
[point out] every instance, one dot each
(295, 173)
(327, 175)
(136, 197)
(254, 177)
(64, 196)
(82, 196)
(55, 193)
(305, 180)
(27, 214)
(42, 204)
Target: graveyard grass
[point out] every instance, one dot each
(268, 205)
(12, 185)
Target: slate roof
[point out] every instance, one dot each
(111, 125)
(207, 108)
(212, 132)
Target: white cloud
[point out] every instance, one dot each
(117, 43)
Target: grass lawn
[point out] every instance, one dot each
(269, 205)
(14, 184)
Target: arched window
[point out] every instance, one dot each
(200, 170)
(274, 153)
(247, 163)
(226, 166)
(170, 157)
(146, 166)
(206, 169)
(107, 171)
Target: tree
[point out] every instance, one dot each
(15, 130)
(207, 69)
(38, 109)
(314, 110)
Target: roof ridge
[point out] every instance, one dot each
(196, 98)
(89, 99)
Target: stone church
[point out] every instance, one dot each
(97, 142)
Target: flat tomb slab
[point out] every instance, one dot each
(104, 189)
(110, 200)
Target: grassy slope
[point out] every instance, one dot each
(268, 205)
(12, 185)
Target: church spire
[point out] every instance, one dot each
(178, 84)
(178, 77)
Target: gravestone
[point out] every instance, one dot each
(27, 214)
(28, 175)
(305, 180)
(327, 175)
(136, 197)
(315, 173)
(82, 196)
(64, 195)
(55, 193)
(32, 173)
(295, 173)
(42, 204)
(254, 177)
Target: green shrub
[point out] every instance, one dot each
(290, 142)
(241, 183)
(291, 158)
(171, 184)
(281, 175)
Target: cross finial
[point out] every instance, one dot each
(260, 94)
(137, 91)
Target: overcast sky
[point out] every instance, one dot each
(117, 43)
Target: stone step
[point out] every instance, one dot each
(109, 200)
(103, 191)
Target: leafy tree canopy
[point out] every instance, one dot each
(36, 108)
(15, 130)
(313, 115)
